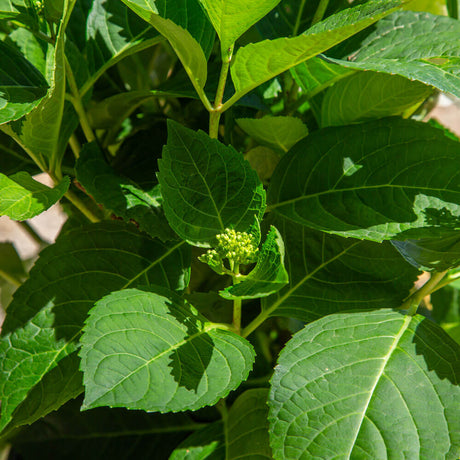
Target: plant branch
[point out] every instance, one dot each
(31, 232)
(81, 206)
(298, 20)
(10, 278)
(217, 109)
(412, 302)
(75, 98)
(75, 146)
(320, 11)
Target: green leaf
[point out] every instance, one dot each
(431, 253)
(111, 112)
(317, 74)
(231, 18)
(38, 131)
(257, 63)
(279, 133)
(269, 274)
(153, 351)
(117, 434)
(205, 444)
(22, 197)
(246, 433)
(206, 187)
(115, 32)
(328, 274)
(418, 46)
(22, 86)
(446, 308)
(388, 179)
(188, 50)
(248, 426)
(13, 158)
(367, 95)
(22, 11)
(453, 7)
(367, 385)
(124, 197)
(11, 266)
(47, 313)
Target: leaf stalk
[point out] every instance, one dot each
(412, 302)
(217, 110)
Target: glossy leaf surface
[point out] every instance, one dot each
(328, 274)
(231, 18)
(49, 309)
(367, 385)
(22, 197)
(207, 186)
(186, 47)
(418, 46)
(385, 179)
(154, 351)
(257, 63)
(369, 95)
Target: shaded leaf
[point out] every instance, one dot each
(153, 351)
(328, 274)
(279, 133)
(391, 178)
(446, 309)
(317, 74)
(246, 436)
(418, 46)
(188, 50)
(38, 131)
(206, 186)
(367, 95)
(22, 11)
(22, 86)
(257, 63)
(117, 434)
(22, 197)
(231, 18)
(431, 253)
(367, 385)
(205, 444)
(47, 313)
(123, 196)
(269, 274)
(115, 32)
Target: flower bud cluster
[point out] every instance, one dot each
(238, 247)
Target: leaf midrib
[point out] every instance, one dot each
(207, 328)
(386, 358)
(353, 189)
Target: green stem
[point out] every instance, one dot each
(412, 302)
(31, 232)
(81, 206)
(221, 406)
(237, 316)
(449, 279)
(216, 112)
(295, 31)
(319, 14)
(75, 146)
(10, 278)
(75, 98)
(236, 302)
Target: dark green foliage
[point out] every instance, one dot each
(280, 198)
